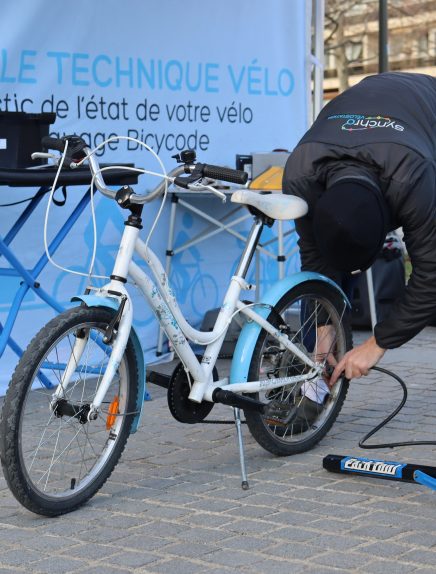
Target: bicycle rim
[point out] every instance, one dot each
(303, 310)
(62, 455)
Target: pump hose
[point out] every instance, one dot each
(390, 417)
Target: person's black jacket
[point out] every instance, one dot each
(383, 130)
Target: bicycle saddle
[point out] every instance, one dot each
(274, 205)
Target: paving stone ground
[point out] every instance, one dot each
(174, 504)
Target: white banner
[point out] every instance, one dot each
(223, 78)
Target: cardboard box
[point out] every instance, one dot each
(262, 161)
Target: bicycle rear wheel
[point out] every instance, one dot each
(303, 309)
(54, 458)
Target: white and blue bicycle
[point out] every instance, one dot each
(78, 391)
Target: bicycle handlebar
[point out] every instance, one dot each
(224, 173)
(78, 150)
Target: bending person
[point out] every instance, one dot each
(368, 166)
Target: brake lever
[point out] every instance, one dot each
(45, 155)
(198, 186)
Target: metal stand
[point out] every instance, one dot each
(237, 413)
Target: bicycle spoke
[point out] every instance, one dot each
(57, 458)
(82, 452)
(89, 441)
(41, 443)
(54, 452)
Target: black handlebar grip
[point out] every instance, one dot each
(225, 174)
(53, 143)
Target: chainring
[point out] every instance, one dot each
(183, 409)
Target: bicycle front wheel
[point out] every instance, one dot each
(308, 311)
(54, 458)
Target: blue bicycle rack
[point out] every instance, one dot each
(42, 179)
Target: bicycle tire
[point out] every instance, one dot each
(37, 452)
(282, 440)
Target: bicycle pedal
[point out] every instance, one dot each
(277, 413)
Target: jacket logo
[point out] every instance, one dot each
(355, 122)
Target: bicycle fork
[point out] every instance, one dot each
(114, 358)
(124, 322)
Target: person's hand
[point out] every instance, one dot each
(358, 361)
(325, 342)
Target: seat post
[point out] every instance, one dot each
(250, 248)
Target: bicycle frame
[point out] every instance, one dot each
(292, 337)
(164, 304)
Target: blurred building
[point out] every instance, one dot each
(351, 40)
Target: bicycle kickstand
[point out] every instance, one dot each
(237, 414)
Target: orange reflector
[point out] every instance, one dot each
(112, 412)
